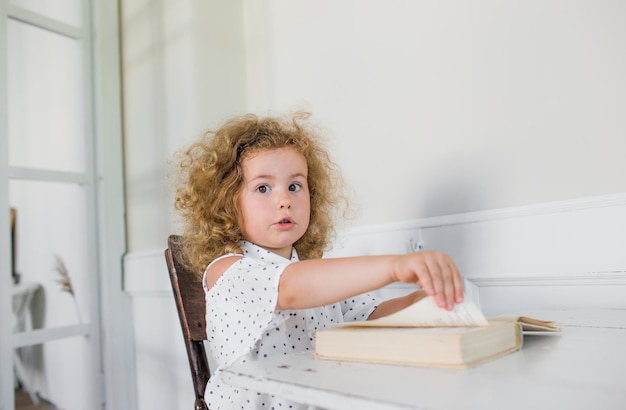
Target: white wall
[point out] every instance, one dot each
(444, 107)
(453, 106)
(184, 71)
(463, 124)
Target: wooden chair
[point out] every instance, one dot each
(190, 302)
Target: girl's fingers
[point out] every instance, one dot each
(424, 280)
(448, 290)
(435, 274)
(446, 280)
(458, 284)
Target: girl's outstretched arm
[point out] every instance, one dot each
(317, 282)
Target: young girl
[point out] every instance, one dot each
(257, 196)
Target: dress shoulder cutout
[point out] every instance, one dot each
(206, 275)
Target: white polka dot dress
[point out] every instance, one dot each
(242, 324)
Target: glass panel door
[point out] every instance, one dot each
(47, 167)
(46, 99)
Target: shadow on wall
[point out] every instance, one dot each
(460, 188)
(461, 184)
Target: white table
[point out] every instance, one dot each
(582, 367)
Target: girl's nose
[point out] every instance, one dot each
(284, 202)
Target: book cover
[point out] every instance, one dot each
(423, 334)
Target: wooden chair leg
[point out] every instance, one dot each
(200, 405)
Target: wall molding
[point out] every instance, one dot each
(576, 204)
(574, 279)
(145, 273)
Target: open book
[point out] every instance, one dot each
(426, 335)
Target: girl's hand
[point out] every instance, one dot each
(434, 272)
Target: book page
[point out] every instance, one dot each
(426, 313)
(530, 324)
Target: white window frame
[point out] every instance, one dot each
(114, 381)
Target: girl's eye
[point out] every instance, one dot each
(295, 187)
(263, 189)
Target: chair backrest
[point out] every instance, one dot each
(190, 303)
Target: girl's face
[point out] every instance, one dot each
(274, 201)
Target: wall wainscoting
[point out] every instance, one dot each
(578, 246)
(555, 255)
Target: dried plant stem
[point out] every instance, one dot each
(66, 283)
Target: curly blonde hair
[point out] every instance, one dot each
(210, 180)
